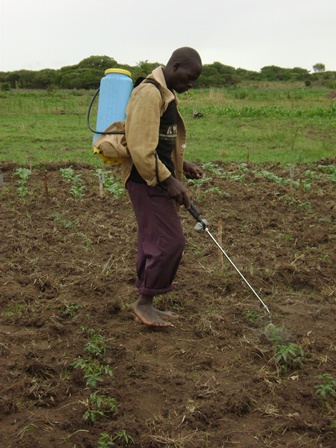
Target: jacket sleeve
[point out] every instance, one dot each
(142, 133)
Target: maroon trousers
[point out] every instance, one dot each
(160, 238)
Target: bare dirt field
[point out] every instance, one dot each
(76, 369)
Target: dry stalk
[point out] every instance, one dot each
(178, 442)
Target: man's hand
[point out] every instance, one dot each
(176, 190)
(191, 170)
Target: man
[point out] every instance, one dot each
(155, 136)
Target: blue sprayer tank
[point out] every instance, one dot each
(115, 89)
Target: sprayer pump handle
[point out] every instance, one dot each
(195, 213)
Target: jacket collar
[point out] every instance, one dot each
(167, 94)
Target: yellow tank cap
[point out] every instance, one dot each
(118, 70)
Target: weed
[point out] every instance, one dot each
(328, 387)
(87, 244)
(70, 310)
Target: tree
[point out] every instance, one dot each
(275, 73)
(319, 67)
(99, 62)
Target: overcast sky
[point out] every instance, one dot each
(250, 34)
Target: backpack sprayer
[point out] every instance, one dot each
(114, 92)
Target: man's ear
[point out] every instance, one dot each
(176, 66)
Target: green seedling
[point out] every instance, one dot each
(288, 357)
(330, 170)
(96, 345)
(305, 183)
(122, 436)
(274, 333)
(23, 174)
(70, 310)
(67, 173)
(67, 224)
(218, 191)
(327, 388)
(77, 188)
(112, 185)
(252, 316)
(93, 371)
(99, 406)
(105, 440)
(313, 175)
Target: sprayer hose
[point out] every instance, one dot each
(88, 119)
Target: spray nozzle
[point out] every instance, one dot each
(201, 225)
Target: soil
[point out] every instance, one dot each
(221, 376)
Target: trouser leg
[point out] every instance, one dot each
(160, 238)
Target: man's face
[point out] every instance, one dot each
(185, 76)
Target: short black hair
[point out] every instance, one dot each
(185, 56)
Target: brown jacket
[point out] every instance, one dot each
(144, 109)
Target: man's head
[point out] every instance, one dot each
(182, 69)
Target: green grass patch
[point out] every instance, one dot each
(255, 122)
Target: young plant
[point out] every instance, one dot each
(99, 406)
(77, 188)
(288, 357)
(123, 436)
(105, 440)
(96, 345)
(70, 310)
(252, 316)
(274, 333)
(114, 186)
(23, 175)
(67, 224)
(327, 388)
(93, 371)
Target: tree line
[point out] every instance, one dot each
(87, 74)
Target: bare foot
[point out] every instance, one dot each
(147, 314)
(166, 315)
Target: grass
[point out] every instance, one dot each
(256, 122)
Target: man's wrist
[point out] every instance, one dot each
(167, 181)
